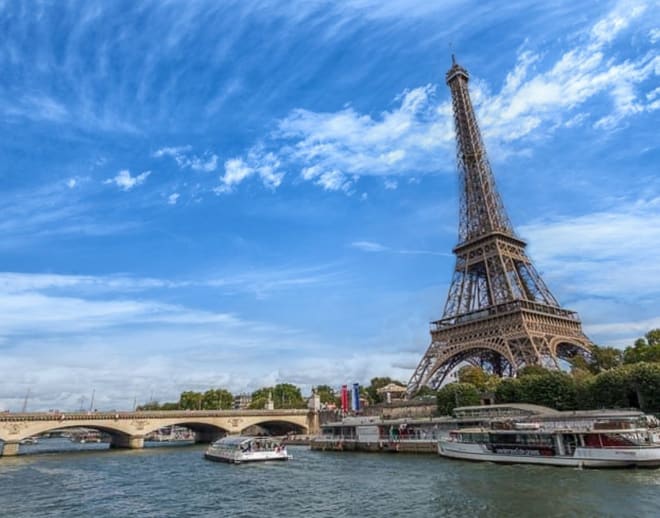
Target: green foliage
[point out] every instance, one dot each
(258, 403)
(190, 400)
(474, 375)
(554, 389)
(645, 349)
(151, 405)
(644, 379)
(217, 399)
(327, 394)
(635, 385)
(285, 395)
(212, 399)
(508, 391)
(425, 392)
(604, 359)
(456, 394)
(532, 370)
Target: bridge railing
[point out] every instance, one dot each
(147, 414)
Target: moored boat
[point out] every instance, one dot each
(239, 449)
(611, 439)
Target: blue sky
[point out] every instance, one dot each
(240, 193)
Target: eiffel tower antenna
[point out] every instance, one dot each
(499, 313)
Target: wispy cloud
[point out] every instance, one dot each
(53, 209)
(64, 323)
(208, 162)
(264, 165)
(371, 246)
(333, 149)
(602, 253)
(126, 182)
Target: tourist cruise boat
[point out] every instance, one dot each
(238, 449)
(410, 434)
(593, 439)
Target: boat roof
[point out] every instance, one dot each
(235, 440)
(524, 407)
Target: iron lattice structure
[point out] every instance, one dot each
(499, 313)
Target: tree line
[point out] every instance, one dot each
(609, 378)
(283, 395)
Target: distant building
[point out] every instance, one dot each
(242, 401)
(392, 391)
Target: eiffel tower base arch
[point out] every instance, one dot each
(501, 344)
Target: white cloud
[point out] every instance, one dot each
(602, 254)
(391, 185)
(606, 29)
(654, 35)
(125, 181)
(333, 149)
(55, 327)
(369, 246)
(208, 162)
(264, 165)
(71, 183)
(173, 198)
(335, 146)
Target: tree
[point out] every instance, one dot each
(151, 405)
(645, 349)
(426, 392)
(604, 358)
(327, 394)
(217, 399)
(554, 389)
(284, 395)
(532, 370)
(474, 375)
(508, 391)
(456, 394)
(190, 400)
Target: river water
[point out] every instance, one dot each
(178, 482)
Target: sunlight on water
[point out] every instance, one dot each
(160, 482)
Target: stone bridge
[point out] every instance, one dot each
(127, 429)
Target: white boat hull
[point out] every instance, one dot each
(583, 457)
(246, 457)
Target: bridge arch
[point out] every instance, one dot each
(206, 430)
(279, 426)
(18, 432)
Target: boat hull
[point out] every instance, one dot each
(583, 457)
(241, 459)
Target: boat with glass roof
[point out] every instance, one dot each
(239, 449)
(597, 439)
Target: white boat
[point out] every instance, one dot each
(238, 449)
(590, 440)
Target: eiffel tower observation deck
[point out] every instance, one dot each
(499, 313)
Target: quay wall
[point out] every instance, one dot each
(402, 446)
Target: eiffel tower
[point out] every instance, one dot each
(499, 313)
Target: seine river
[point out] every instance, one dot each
(177, 481)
